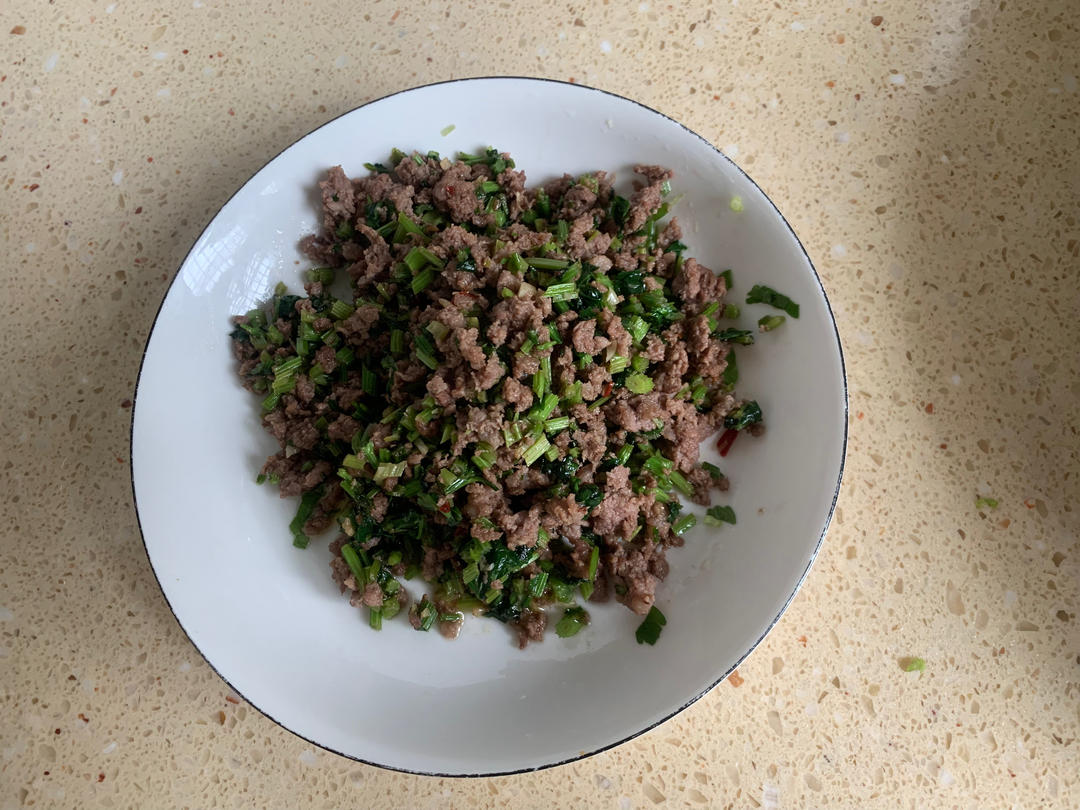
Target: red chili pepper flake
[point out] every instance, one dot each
(57, 731)
(450, 191)
(394, 16)
(801, 640)
(232, 111)
(727, 438)
(608, 386)
(445, 508)
(929, 407)
(138, 210)
(125, 403)
(184, 51)
(1029, 503)
(231, 699)
(34, 186)
(84, 718)
(149, 160)
(101, 777)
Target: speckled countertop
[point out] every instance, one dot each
(928, 155)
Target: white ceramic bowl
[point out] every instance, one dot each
(268, 617)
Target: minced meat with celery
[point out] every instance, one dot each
(512, 401)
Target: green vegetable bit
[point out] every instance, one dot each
(712, 470)
(731, 371)
(572, 621)
(638, 384)
(352, 559)
(649, 630)
(566, 291)
(743, 337)
(303, 513)
(719, 515)
(990, 503)
(683, 525)
(537, 449)
(636, 327)
(912, 664)
(340, 310)
(760, 294)
(770, 322)
(747, 414)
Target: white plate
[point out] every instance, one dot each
(267, 616)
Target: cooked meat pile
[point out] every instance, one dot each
(513, 399)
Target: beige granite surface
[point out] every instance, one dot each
(927, 153)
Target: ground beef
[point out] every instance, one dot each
(321, 251)
(636, 414)
(455, 193)
(577, 200)
(517, 315)
(521, 528)
(697, 286)
(530, 627)
(517, 394)
(372, 262)
(411, 414)
(585, 339)
(617, 514)
(614, 329)
(630, 567)
(675, 365)
(357, 326)
(563, 516)
(596, 380)
(411, 173)
(339, 203)
(293, 478)
(584, 241)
